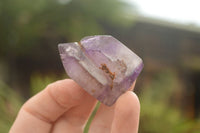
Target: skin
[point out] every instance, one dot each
(64, 107)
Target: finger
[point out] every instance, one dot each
(74, 120)
(126, 116)
(103, 119)
(38, 113)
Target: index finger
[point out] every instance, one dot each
(38, 113)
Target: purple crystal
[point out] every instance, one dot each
(101, 65)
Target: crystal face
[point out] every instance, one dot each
(101, 65)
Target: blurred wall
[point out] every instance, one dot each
(164, 45)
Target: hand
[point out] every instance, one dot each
(64, 107)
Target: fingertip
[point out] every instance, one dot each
(127, 111)
(128, 103)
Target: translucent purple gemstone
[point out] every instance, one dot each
(101, 65)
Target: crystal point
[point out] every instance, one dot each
(101, 65)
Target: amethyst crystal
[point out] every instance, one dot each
(101, 65)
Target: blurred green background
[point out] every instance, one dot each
(168, 87)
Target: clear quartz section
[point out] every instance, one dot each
(101, 65)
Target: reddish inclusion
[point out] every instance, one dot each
(111, 75)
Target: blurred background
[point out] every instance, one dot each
(166, 34)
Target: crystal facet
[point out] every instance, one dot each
(101, 65)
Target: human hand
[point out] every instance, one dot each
(64, 107)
